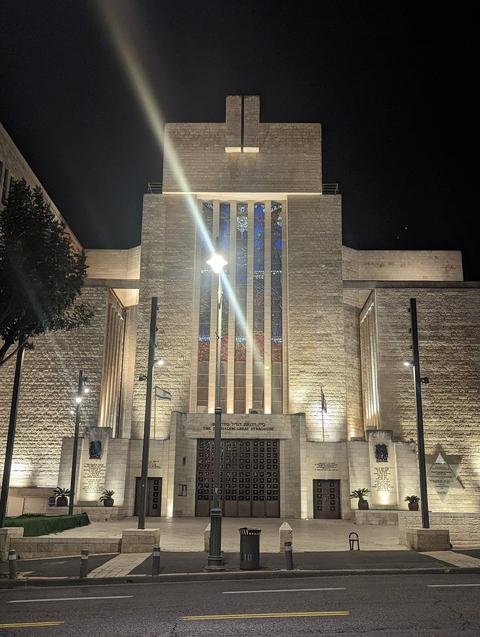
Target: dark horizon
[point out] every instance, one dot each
(391, 86)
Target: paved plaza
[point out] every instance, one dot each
(186, 534)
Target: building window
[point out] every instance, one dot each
(255, 329)
(276, 312)
(369, 360)
(112, 366)
(203, 350)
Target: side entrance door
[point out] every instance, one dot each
(326, 499)
(154, 497)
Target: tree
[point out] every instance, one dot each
(41, 272)
(41, 277)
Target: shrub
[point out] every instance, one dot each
(45, 524)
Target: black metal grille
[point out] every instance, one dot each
(250, 473)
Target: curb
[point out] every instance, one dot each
(229, 575)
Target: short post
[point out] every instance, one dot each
(83, 563)
(12, 564)
(289, 556)
(156, 561)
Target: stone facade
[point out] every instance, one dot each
(326, 448)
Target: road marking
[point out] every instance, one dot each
(320, 613)
(65, 599)
(31, 624)
(449, 585)
(284, 590)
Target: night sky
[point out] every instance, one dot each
(391, 82)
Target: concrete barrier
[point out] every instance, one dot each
(206, 539)
(285, 534)
(32, 547)
(140, 540)
(6, 536)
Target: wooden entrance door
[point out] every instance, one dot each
(154, 497)
(326, 499)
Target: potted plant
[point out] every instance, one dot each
(62, 496)
(361, 494)
(413, 501)
(106, 498)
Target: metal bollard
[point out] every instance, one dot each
(83, 563)
(12, 564)
(288, 556)
(354, 541)
(156, 561)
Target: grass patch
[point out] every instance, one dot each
(35, 525)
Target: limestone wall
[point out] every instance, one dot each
(449, 335)
(289, 159)
(49, 385)
(402, 265)
(316, 349)
(168, 248)
(113, 264)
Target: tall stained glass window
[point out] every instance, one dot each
(241, 293)
(276, 308)
(258, 305)
(224, 247)
(204, 309)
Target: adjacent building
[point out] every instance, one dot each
(316, 398)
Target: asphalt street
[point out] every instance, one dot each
(434, 605)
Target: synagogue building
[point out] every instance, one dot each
(315, 394)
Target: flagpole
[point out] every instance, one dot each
(321, 407)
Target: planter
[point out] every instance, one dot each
(413, 506)
(108, 502)
(62, 501)
(363, 505)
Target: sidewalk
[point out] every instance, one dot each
(186, 534)
(140, 564)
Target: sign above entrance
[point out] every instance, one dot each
(240, 426)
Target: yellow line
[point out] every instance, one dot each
(320, 613)
(31, 624)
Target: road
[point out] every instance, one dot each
(434, 605)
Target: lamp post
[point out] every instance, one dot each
(418, 400)
(148, 414)
(215, 559)
(12, 423)
(82, 389)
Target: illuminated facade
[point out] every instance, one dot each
(314, 335)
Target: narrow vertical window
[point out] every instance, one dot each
(241, 294)
(369, 360)
(204, 309)
(258, 306)
(224, 247)
(276, 311)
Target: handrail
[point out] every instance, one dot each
(330, 189)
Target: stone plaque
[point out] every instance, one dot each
(240, 426)
(442, 478)
(383, 469)
(326, 466)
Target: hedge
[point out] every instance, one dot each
(45, 524)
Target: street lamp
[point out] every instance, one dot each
(82, 389)
(419, 380)
(215, 559)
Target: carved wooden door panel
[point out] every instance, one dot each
(326, 499)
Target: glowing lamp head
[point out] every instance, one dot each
(217, 262)
(159, 362)
(86, 390)
(78, 399)
(407, 363)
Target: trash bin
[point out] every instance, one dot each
(249, 548)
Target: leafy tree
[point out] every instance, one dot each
(41, 272)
